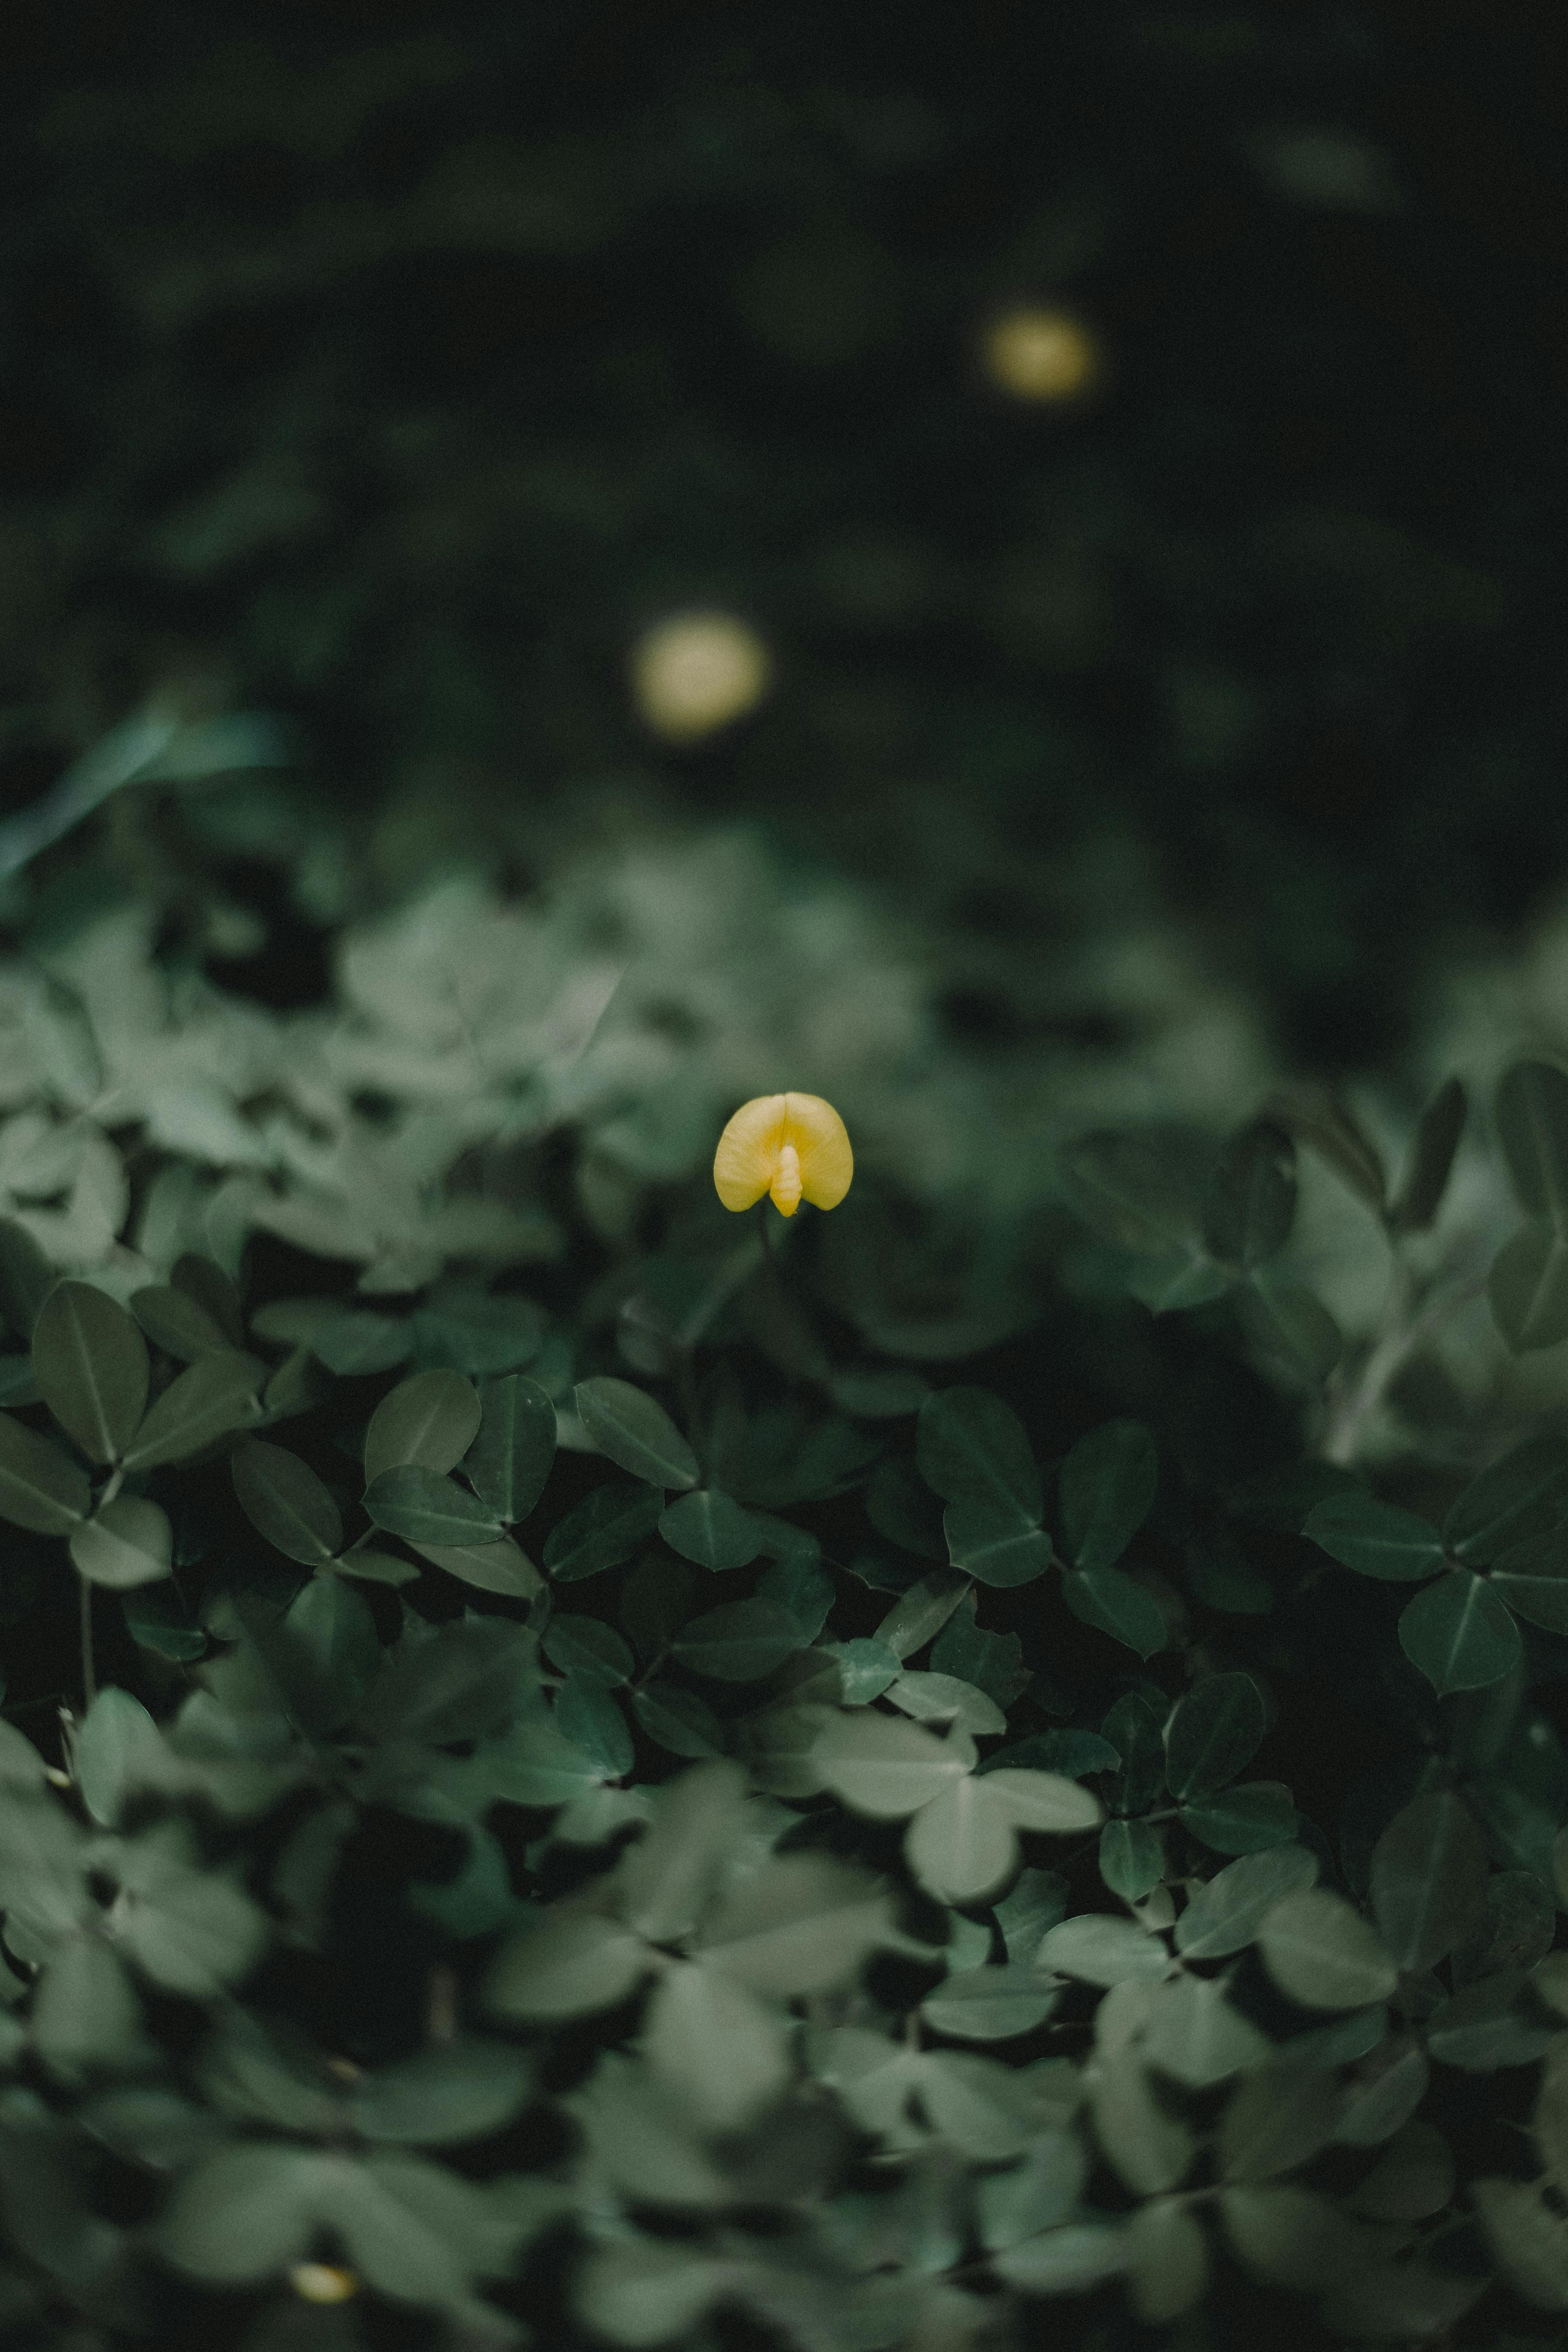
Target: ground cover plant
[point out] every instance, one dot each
(647, 1790)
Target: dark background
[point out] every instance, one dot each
(394, 365)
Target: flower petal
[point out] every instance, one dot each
(747, 1155)
(818, 1135)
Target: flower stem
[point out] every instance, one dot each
(89, 1679)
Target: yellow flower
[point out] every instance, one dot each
(322, 2282)
(792, 1147)
(1038, 355)
(697, 672)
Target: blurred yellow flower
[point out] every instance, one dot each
(696, 672)
(323, 2283)
(792, 1147)
(1038, 355)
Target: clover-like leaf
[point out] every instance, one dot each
(634, 1432)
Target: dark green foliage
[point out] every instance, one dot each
(572, 1774)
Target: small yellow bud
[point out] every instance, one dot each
(697, 672)
(792, 1147)
(1038, 355)
(322, 2282)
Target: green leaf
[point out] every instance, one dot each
(1323, 1954)
(1138, 1190)
(1431, 1158)
(738, 1643)
(1035, 1904)
(1385, 2094)
(431, 1419)
(240, 2214)
(1276, 2120)
(40, 1487)
(424, 1507)
(920, 1614)
(1034, 2195)
(355, 1342)
(1491, 2024)
(157, 1619)
(1131, 1858)
(202, 1279)
(802, 1588)
(1134, 1726)
(971, 1446)
(1167, 2261)
(582, 1646)
(192, 1931)
(1375, 1538)
(866, 1668)
(1525, 1493)
(1075, 1754)
(802, 1924)
(669, 1877)
(1415, 2177)
(1105, 1491)
(1459, 1634)
(1527, 2240)
(713, 1530)
(509, 1460)
(466, 1331)
(603, 1529)
(634, 1433)
(989, 2004)
(374, 1567)
(1527, 1287)
(1428, 1879)
(443, 2094)
(645, 2291)
(944, 1699)
(286, 1502)
(488, 1565)
(128, 1542)
(1066, 2260)
(1531, 1116)
(1246, 1818)
(993, 1662)
(1100, 1950)
(1225, 1916)
(585, 1714)
(119, 1746)
(678, 1721)
(886, 1767)
(1290, 2237)
(902, 1506)
(1112, 1601)
(1290, 1329)
(90, 1364)
(962, 1846)
(1213, 1733)
(1192, 2033)
(178, 1323)
(1532, 1579)
(1516, 1930)
(987, 1542)
(1250, 1201)
(463, 1680)
(203, 1403)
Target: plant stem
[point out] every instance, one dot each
(1411, 1316)
(89, 1679)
